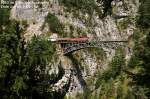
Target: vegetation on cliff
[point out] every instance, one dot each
(53, 23)
(131, 80)
(88, 6)
(140, 60)
(23, 64)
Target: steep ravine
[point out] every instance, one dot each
(85, 63)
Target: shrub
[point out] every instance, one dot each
(144, 14)
(54, 24)
(85, 6)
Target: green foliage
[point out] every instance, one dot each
(39, 47)
(23, 65)
(11, 58)
(118, 62)
(85, 6)
(123, 24)
(141, 60)
(112, 83)
(54, 25)
(88, 6)
(100, 53)
(18, 85)
(107, 8)
(116, 67)
(4, 16)
(119, 88)
(134, 60)
(144, 14)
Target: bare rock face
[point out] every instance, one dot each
(84, 63)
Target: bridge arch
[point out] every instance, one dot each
(70, 45)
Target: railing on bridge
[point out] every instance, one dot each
(72, 44)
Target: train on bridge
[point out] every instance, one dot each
(80, 39)
(72, 44)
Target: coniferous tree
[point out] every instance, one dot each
(23, 65)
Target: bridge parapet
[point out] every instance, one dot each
(72, 44)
